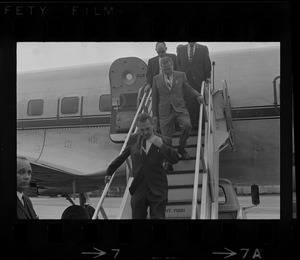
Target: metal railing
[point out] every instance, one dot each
(209, 192)
(275, 91)
(199, 156)
(228, 114)
(144, 104)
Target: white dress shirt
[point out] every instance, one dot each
(148, 144)
(20, 195)
(188, 50)
(159, 64)
(170, 80)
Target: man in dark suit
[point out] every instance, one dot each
(194, 60)
(169, 105)
(154, 67)
(24, 205)
(148, 152)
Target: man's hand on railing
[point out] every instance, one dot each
(107, 178)
(147, 87)
(200, 99)
(208, 80)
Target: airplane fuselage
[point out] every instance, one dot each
(63, 120)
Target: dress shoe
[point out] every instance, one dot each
(183, 153)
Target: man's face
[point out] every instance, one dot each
(168, 70)
(161, 50)
(146, 128)
(23, 174)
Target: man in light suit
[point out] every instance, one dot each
(154, 67)
(194, 60)
(148, 152)
(169, 105)
(25, 208)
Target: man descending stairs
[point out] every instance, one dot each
(194, 183)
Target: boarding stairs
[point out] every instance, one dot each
(193, 184)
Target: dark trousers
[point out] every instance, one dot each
(143, 198)
(193, 105)
(167, 125)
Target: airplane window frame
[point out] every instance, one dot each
(31, 110)
(222, 196)
(104, 108)
(62, 107)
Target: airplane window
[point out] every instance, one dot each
(35, 107)
(129, 76)
(222, 196)
(70, 105)
(105, 103)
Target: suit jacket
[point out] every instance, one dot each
(153, 66)
(162, 96)
(26, 211)
(149, 168)
(199, 68)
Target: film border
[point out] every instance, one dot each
(143, 22)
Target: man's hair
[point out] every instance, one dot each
(143, 117)
(178, 47)
(163, 43)
(166, 60)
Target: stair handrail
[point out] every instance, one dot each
(198, 156)
(145, 99)
(210, 145)
(228, 114)
(275, 91)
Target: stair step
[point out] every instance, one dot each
(192, 140)
(182, 193)
(186, 165)
(183, 172)
(182, 179)
(193, 133)
(191, 150)
(179, 211)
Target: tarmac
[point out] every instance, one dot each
(52, 208)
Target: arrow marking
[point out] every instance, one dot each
(99, 253)
(230, 253)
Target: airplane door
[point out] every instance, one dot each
(126, 76)
(69, 109)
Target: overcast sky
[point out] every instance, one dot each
(44, 55)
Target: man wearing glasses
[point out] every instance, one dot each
(24, 205)
(169, 105)
(154, 64)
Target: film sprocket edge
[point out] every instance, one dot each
(84, 239)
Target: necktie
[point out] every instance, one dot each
(159, 64)
(169, 83)
(27, 208)
(191, 53)
(144, 147)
